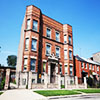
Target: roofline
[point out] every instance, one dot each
(94, 63)
(96, 52)
(48, 16)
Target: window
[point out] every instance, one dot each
(28, 24)
(23, 81)
(97, 68)
(48, 49)
(34, 44)
(85, 66)
(82, 65)
(89, 66)
(65, 54)
(35, 25)
(92, 67)
(69, 39)
(44, 67)
(57, 52)
(48, 33)
(33, 64)
(57, 36)
(70, 54)
(66, 69)
(60, 69)
(71, 70)
(65, 39)
(25, 63)
(26, 43)
(33, 81)
(43, 81)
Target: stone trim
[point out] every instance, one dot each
(33, 57)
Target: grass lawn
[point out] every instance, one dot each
(56, 92)
(1, 93)
(89, 90)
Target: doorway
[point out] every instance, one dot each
(52, 73)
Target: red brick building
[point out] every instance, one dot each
(86, 67)
(46, 47)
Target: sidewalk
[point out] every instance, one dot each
(21, 94)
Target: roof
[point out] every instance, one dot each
(86, 60)
(96, 53)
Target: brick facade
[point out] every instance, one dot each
(86, 67)
(40, 35)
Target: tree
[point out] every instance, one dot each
(11, 60)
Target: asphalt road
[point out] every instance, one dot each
(82, 97)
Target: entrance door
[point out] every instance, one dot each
(52, 76)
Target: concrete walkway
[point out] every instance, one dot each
(21, 94)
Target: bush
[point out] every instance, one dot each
(26, 86)
(90, 82)
(62, 86)
(2, 84)
(14, 82)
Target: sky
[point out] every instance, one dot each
(82, 15)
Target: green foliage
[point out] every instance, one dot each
(90, 82)
(1, 93)
(26, 86)
(14, 82)
(11, 60)
(90, 90)
(2, 84)
(56, 92)
(62, 86)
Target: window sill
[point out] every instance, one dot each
(26, 49)
(33, 71)
(33, 50)
(47, 55)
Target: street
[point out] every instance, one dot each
(82, 97)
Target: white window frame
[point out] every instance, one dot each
(85, 65)
(37, 25)
(50, 32)
(98, 68)
(64, 54)
(26, 44)
(71, 55)
(59, 35)
(36, 44)
(46, 49)
(89, 66)
(92, 67)
(66, 69)
(82, 65)
(28, 24)
(59, 51)
(71, 39)
(70, 70)
(65, 42)
(35, 65)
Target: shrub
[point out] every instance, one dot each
(26, 86)
(62, 86)
(2, 84)
(90, 82)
